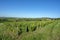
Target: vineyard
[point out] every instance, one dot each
(30, 29)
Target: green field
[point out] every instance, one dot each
(29, 29)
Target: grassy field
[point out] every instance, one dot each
(32, 29)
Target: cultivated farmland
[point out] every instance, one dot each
(29, 29)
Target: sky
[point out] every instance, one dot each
(30, 8)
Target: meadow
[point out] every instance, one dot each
(29, 28)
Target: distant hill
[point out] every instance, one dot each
(11, 19)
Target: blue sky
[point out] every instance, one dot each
(30, 8)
